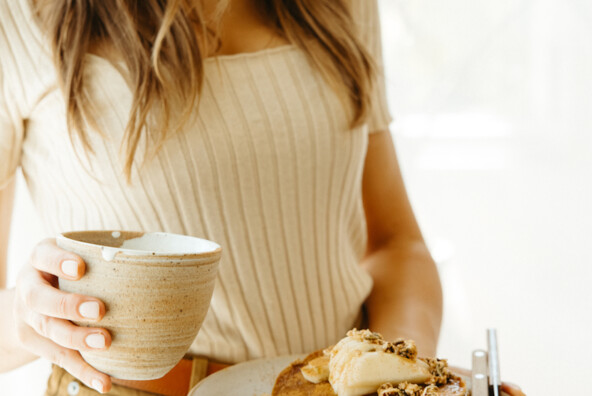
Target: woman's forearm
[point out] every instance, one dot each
(12, 354)
(406, 300)
(6, 204)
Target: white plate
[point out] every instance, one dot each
(252, 378)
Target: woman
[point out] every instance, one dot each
(259, 124)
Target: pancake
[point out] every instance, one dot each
(291, 382)
(359, 358)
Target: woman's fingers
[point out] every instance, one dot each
(36, 285)
(44, 299)
(66, 358)
(48, 257)
(43, 313)
(68, 335)
(512, 389)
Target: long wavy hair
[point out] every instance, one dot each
(163, 44)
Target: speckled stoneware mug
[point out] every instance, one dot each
(156, 288)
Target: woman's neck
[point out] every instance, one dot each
(243, 28)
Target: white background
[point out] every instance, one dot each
(493, 107)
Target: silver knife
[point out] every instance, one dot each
(495, 382)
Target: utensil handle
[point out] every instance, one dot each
(479, 386)
(493, 360)
(479, 381)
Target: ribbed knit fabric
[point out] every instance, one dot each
(268, 168)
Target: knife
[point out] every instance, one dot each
(495, 382)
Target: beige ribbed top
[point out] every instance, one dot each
(268, 168)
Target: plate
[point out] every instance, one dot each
(253, 378)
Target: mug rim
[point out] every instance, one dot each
(126, 252)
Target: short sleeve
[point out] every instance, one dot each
(365, 14)
(11, 133)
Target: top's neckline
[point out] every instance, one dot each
(252, 54)
(240, 55)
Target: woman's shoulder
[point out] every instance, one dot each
(26, 66)
(365, 16)
(19, 33)
(15, 16)
(362, 9)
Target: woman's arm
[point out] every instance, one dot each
(6, 199)
(35, 317)
(12, 355)
(406, 300)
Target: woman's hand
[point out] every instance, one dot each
(512, 390)
(43, 313)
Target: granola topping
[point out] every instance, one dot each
(430, 390)
(372, 337)
(403, 389)
(401, 347)
(439, 370)
(407, 389)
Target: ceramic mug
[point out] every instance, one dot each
(156, 288)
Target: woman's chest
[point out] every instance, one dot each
(263, 119)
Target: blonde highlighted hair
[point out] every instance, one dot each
(163, 44)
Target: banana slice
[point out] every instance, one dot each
(317, 370)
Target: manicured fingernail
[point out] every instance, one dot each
(70, 268)
(89, 309)
(513, 386)
(96, 341)
(97, 385)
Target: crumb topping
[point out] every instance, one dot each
(439, 370)
(430, 390)
(403, 389)
(401, 347)
(407, 389)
